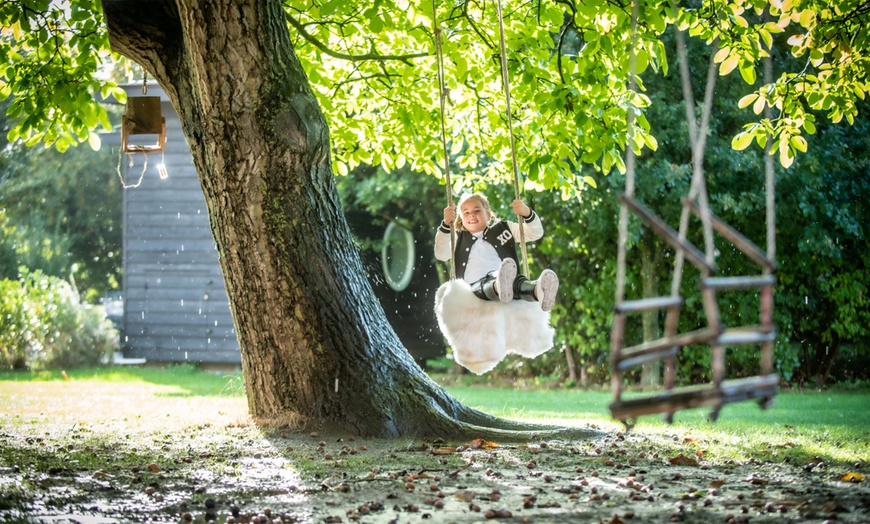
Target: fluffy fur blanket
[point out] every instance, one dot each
(482, 333)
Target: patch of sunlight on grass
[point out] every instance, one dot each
(800, 427)
(563, 404)
(152, 399)
(177, 380)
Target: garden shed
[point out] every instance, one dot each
(175, 306)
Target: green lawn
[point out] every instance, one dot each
(801, 427)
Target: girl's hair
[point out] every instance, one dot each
(480, 197)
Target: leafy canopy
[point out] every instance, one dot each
(372, 65)
(52, 55)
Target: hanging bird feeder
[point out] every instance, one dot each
(142, 119)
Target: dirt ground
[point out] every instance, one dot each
(202, 461)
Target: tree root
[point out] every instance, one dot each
(445, 417)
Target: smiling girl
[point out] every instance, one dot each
(485, 252)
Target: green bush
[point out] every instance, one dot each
(43, 324)
(14, 325)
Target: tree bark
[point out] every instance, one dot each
(314, 340)
(650, 259)
(572, 365)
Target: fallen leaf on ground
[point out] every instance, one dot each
(443, 451)
(853, 477)
(756, 480)
(682, 460)
(479, 443)
(466, 495)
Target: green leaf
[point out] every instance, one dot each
(799, 143)
(741, 141)
(747, 71)
(746, 100)
(758, 106)
(62, 144)
(721, 55)
(330, 7)
(729, 64)
(766, 37)
(94, 141)
(786, 156)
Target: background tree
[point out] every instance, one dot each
(825, 277)
(62, 215)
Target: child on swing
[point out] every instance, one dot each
(486, 255)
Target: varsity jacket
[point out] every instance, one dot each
(501, 235)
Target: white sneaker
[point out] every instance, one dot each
(546, 289)
(507, 273)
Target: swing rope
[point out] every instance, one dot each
(629, 164)
(436, 30)
(507, 96)
(442, 95)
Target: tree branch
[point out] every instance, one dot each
(150, 34)
(343, 56)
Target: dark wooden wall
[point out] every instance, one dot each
(175, 302)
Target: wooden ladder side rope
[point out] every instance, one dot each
(697, 189)
(697, 140)
(618, 327)
(442, 96)
(507, 95)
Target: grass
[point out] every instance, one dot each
(802, 426)
(183, 380)
(119, 399)
(131, 444)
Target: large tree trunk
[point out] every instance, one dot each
(314, 340)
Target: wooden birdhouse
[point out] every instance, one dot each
(143, 119)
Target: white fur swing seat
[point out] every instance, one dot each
(482, 333)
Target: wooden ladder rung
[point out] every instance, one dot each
(683, 339)
(737, 390)
(637, 358)
(739, 282)
(745, 336)
(647, 304)
(750, 387)
(669, 234)
(659, 349)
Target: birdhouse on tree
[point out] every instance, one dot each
(143, 118)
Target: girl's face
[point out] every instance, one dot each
(475, 216)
